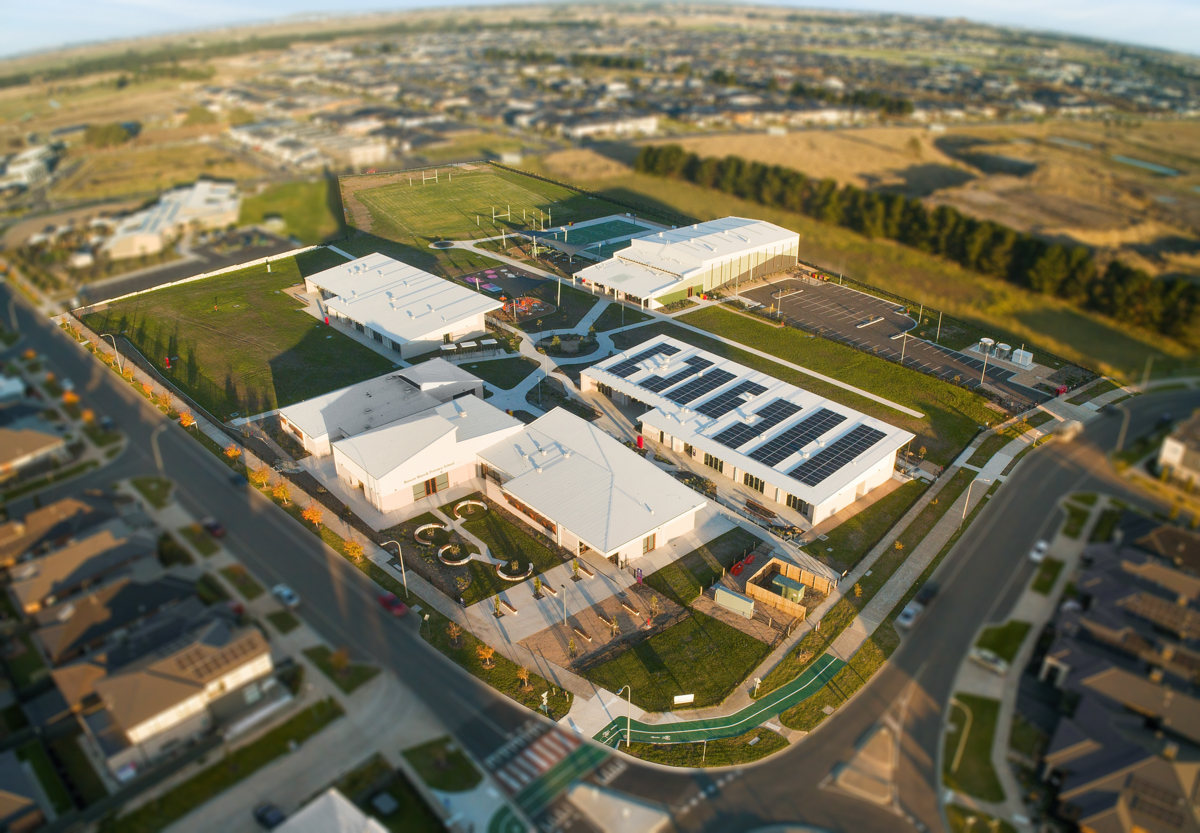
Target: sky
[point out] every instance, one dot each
(32, 26)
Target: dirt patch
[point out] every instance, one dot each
(554, 643)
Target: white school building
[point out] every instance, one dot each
(672, 265)
(402, 307)
(792, 446)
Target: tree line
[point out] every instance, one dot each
(1126, 294)
(893, 105)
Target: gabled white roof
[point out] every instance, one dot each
(685, 420)
(683, 250)
(575, 474)
(382, 451)
(398, 300)
(331, 812)
(358, 408)
(435, 373)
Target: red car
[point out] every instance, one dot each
(392, 604)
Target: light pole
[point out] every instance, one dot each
(564, 600)
(154, 446)
(403, 573)
(628, 689)
(1124, 426)
(112, 338)
(967, 502)
(903, 344)
(984, 373)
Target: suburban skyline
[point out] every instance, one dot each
(1163, 24)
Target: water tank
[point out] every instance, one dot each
(986, 345)
(1003, 351)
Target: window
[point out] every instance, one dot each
(800, 506)
(713, 463)
(648, 542)
(662, 437)
(377, 336)
(753, 482)
(687, 450)
(446, 338)
(604, 389)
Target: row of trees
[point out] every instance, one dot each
(893, 105)
(1126, 294)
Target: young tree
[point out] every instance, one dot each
(653, 606)
(537, 586)
(260, 476)
(282, 492)
(497, 606)
(523, 676)
(899, 545)
(70, 398)
(88, 416)
(147, 388)
(232, 452)
(575, 567)
(313, 514)
(614, 626)
(339, 660)
(50, 379)
(858, 591)
(354, 549)
(454, 631)
(571, 649)
(485, 654)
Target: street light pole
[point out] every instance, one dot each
(984, 373)
(120, 363)
(154, 446)
(628, 689)
(1124, 427)
(403, 572)
(967, 503)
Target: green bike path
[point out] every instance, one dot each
(692, 731)
(538, 795)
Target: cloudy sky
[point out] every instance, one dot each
(28, 26)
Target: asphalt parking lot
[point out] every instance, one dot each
(878, 326)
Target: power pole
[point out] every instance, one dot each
(939, 332)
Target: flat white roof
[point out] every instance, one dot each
(630, 278)
(435, 373)
(358, 408)
(578, 476)
(382, 451)
(784, 435)
(398, 300)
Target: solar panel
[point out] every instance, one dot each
(773, 413)
(625, 368)
(657, 384)
(698, 387)
(778, 449)
(837, 454)
(723, 403)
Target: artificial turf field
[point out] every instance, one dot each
(242, 345)
(384, 207)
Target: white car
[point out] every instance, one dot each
(1038, 554)
(909, 615)
(990, 660)
(286, 596)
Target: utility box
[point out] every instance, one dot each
(739, 604)
(790, 589)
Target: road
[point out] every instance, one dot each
(339, 604)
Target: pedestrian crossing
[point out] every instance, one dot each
(539, 762)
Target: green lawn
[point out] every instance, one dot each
(80, 771)
(1047, 575)
(1027, 738)
(1000, 309)
(1085, 498)
(505, 374)
(683, 580)
(698, 655)
(723, 752)
(348, 679)
(1105, 526)
(850, 540)
(241, 345)
(101, 437)
(283, 620)
(618, 315)
(975, 775)
(991, 445)
(1005, 640)
(412, 816)
(573, 304)
(509, 542)
(952, 414)
(810, 713)
(156, 490)
(242, 581)
(1099, 389)
(1076, 519)
(443, 766)
(171, 552)
(35, 754)
(455, 208)
(303, 206)
(239, 764)
(199, 538)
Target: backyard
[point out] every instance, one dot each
(238, 344)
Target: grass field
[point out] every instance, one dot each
(134, 169)
(974, 775)
(507, 541)
(697, 655)
(753, 746)
(505, 374)
(240, 344)
(850, 540)
(458, 207)
(1005, 640)
(348, 679)
(303, 206)
(1005, 311)
(952, 414)
(618, 315)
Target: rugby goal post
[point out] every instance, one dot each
(425, 177)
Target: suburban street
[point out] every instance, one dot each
(980, 581)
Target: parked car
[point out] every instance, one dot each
(392, 604)
(1038, 554)
(990, 660)
(268, 816)
(286, 596)
(213, 527)
(927, 592)
(238, 480)
(107, 423)
(909, 615)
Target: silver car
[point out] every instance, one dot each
(909, 615)
(286, 596)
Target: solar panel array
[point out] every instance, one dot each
(625, 368)
(698, 387)
(839, 453)
(657, 384)
(723, 403)
(778, 449)
(773, 413)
